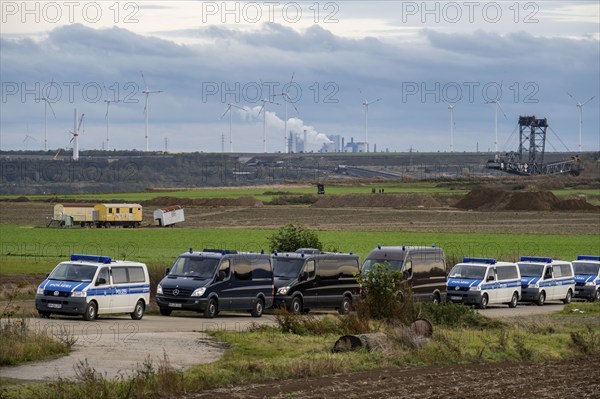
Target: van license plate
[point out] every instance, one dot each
(55, 305)
(455, 298)
(174, 305)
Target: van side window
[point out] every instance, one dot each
(119, 275)
(328, 269)
(103, 274)
(490, 275)
(242, 269)
(565, 271)
(506, 272)
(556, 270)
(548, 273)
(348, 268)
(224, 269)
(261, 268)
(136, 275)
(309, 268)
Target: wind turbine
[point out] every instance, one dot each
(28, 138)
(580, 106)
(107, 101)
(366, 104)
(286, 98)
(451, 108)
(497, 105)
(75, 138)
(46, 105)
(265, 101)
(230, 105)
(147, 93)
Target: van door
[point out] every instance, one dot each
(491, 285)
(222, 285)
(240, 291)
(120, 298)
(548, 282)
(102, 291)
(308, 284)
(560, 289)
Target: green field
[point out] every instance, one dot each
(38, 250)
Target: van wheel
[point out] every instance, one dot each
(138, 311)
(259, 306)
(165, 312)
(346, 306)
(91, 311)
(568, 298)
(542, 299)
(211, 309)
(596, 298)
(296, 305)
(514, 300)
(436, 299)
(484, 302)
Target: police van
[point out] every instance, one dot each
(587, 277)
(91, 285)
(484, 281)
(213, 280)
(309, 279)
(544, 279)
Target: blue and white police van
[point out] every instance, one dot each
(484, 281)
(545, 279)
(92, 285)
(587, 277)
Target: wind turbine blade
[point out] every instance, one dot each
(50, 105)
(499, 106)
(292, 79)
(226, 111)
(261, 108)
(144, 79)
(293, 105)
(146, 103)
(80, 122)
(574, 99)
(107, 105)
(588, 101)
(379, 99)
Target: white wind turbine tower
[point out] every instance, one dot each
(46, 105)
(286, 98)
(147, 93)
(229, 109)
(263, 108)
(451, 108)
(497, 105)
(366, 104)
(580, 106)
(107, 101)
(75, 138)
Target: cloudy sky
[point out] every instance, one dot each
(415, 56)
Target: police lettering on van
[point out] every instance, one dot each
(91, 285)
(587, 277)
(483, 281)
(544, 279)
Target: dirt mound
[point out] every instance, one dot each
(170, 201)
(377, 201)
(494, 199)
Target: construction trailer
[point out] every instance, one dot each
(168, 216)
(125, 215)
(73, 214)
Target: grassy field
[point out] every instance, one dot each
(38, 250)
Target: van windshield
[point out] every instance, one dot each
(585, 268)
(197, 267)
(531, 270)
(71, 272)
(286, 267)
(393, 265)
(470, 272)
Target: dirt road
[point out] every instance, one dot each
(575, 378)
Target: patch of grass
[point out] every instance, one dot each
(450, 314)
(581, 309)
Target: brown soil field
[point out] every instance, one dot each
(574, 378)
(362, 218)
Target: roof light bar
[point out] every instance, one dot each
(488, 261)
(91, 258)
(588, 257)
(536, 259)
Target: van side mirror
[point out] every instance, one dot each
(303, 276)
(221, 275)
(167, 270)
(47, 275)
(490, 278)
(101, 281)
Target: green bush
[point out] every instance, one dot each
(450, 314)
(383, 292)
(291, 237)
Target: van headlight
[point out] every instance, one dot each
(199, 291)
(590, 283)
(283, 290)
(536, 285)
(40, 291)
(159, 289)
(475, 288)
(79, 294)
